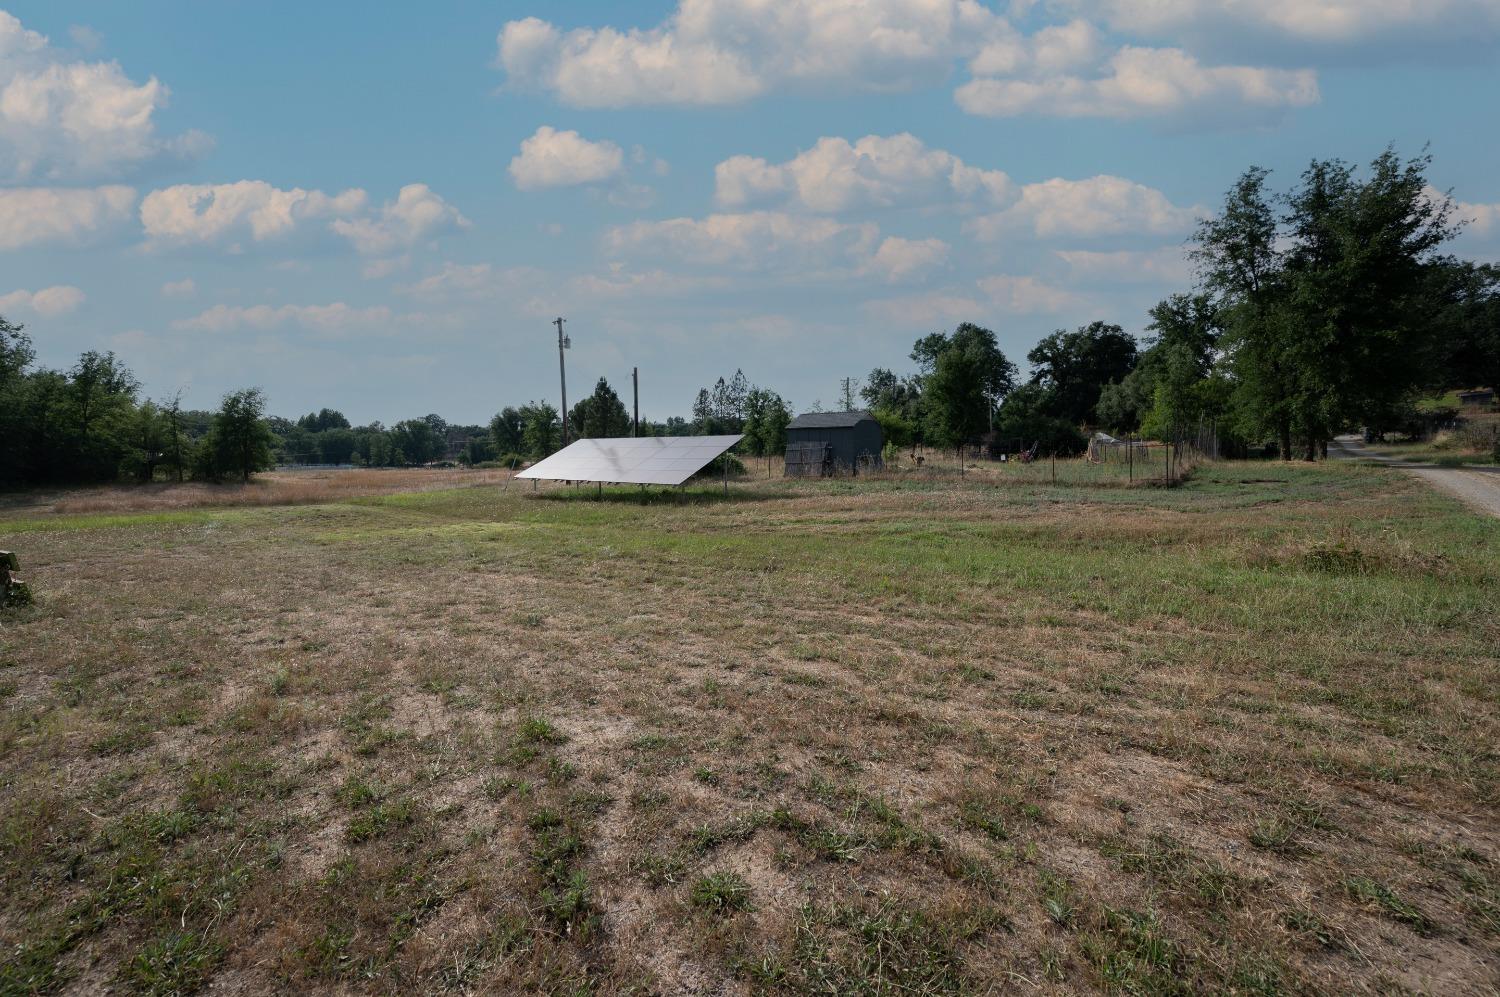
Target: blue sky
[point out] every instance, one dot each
(380, 208)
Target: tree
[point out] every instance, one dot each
(1240, 267)
(239, 441)
(505, 431)
(175, 442)
(102, 392)
(963, 376)
(323, 420)
(998, 373)
(1026, 418)
(418, 441)
(1470, 326)
(600, 415)
(1073, 368)
(1359, 267)
(1169, 383)
(542, 428)
(766, 419)
(884, 390)
(147, 439)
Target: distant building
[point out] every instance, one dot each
(1482, 396)
(823, 443)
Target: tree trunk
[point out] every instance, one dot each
(1284, 434)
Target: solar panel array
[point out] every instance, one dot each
(644, 460)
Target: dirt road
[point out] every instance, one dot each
(1478, 487)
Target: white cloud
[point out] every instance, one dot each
(62, 120)
(875, 171)
(47, 302)
(754, 240)
(1093, 208)
(898, 259)
(727, 51)
(184, 288)
(1328, 22)
(551, 158)
(1144, 82)
(196, 214)
(927, 310)
(1168, 265)
(322, 318)
(620, 283)
(31, 215)
(201, 213)
(416, 214)
(1480, 220)
(1025, 295)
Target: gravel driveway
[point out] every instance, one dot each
(1479, 487)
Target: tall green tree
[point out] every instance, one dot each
(102, 392)
(1073, 368)
(541, 429)
(506, 429)
(600, 415)
(1240, 266)
(766, 418)
(963, 376)
(239, 441)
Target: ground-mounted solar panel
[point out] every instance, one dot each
(643, 460)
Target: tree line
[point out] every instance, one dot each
(1325, 307)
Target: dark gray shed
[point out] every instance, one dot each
(823, 443)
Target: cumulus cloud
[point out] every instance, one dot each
(1480, 220)
(1093, 208)
(31, 215)
(1144, 82)
(727, 51)
(899, 259)
(200, 213)
(751, 241)
(551, 158)
(1325, 22)
(47, 302)
(195, 214)
(184, 288)
(875, 171)
(69, 120)
(415, 215)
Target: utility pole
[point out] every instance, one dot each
(563, 343)
(849, 394)
(635, 383)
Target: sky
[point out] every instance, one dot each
(380, 208)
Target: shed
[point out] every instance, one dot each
(824, 443)
(1479, 396)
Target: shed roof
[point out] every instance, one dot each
(829, 420)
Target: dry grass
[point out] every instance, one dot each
(889, 736)
(288, 487)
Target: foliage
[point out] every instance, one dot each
(541, 429)
(963, 376)
(239, 441)
(766, 418)
(1026, 418)
(1075, 366)
(1328, 311)
(600, 415)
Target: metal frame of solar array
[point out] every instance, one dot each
(644, 460)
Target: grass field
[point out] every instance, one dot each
(906, 736)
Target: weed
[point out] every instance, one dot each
(722, 891)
